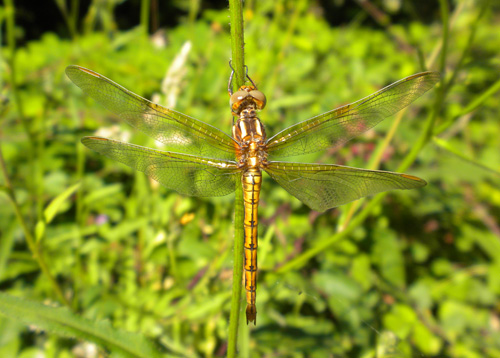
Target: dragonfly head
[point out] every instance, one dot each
(245, 96)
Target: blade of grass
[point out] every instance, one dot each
(478, 101)
(441, 143)
(52, 209)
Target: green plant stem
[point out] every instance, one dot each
(11, 45)
(475, 103)
(69, 16)
(238, 64)
(11, 61)
(237, 42)
(73, 20)
(445, 17)
(194, 9)
(441, 94)
(468, 46)
(33, 246)
(479, 100)
(145, 7)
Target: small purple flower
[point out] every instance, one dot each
(101, 219)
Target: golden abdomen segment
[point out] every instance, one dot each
(252, 179)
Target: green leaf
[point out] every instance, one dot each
(40, 230)
(389, 346)
(62, 322)
(361, 271)
(10, 341)
(387, 255)
(400, 320)
(425, 340)
(487, 241)
(52, 209)
(494, 277)
(96, 195)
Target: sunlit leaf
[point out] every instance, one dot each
(62, 322)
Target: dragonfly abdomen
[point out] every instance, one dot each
(251, 181)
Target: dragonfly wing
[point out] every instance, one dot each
(186, 174)
(180, 133)
(344, 123)
(325, 186)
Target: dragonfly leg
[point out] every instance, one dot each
(230, 82)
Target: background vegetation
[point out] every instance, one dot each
(420, 276)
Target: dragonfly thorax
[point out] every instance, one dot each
(249, 133)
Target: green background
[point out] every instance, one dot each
(420, 277)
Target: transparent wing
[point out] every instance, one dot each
(322, 186)
(186, 174)
(344, 123)
(180, 133)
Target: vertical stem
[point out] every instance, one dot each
(428, 129)
(73, 19)
(32, 244)
(445, 17)
(11, 61)
(237, 42)
(238, 64)
(145, 7)
(194, 8)
(79, 218)
(11, 45)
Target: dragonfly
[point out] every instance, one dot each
(201, 160)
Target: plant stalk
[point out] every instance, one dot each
(32, 244)
(238, 64)
(145, 10)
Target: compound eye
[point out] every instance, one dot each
(259, 97)
(237, 97)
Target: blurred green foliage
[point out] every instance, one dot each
(420, 277)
